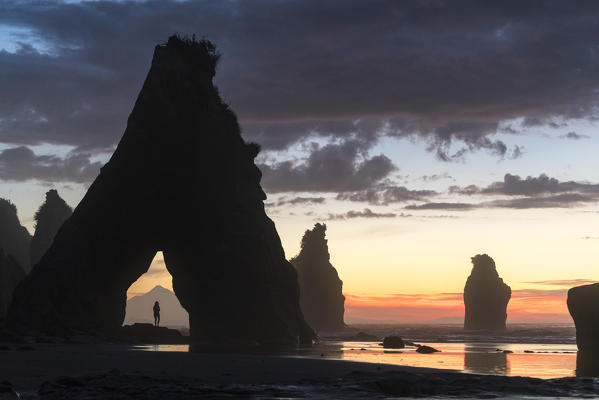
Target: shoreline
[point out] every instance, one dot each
(39, 371)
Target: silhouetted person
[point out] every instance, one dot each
(156, 313)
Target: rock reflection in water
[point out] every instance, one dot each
(485, 361)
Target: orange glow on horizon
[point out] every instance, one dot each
(526, 305)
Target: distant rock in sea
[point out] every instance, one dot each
(321, 296)
(11, 274)
(14, 237)
(48, 219)
(172, 314)
(485, 296)
(182, 181)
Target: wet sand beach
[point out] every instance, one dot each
(53, 371)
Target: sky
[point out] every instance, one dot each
(421, 132)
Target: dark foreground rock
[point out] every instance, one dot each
(321, 290)
(7, 392)
(118, 385)
(422, 349)
(393, 342)
(48, 219)
(148, 333)
(485, 296)
(181, 180)
(11, 274)
(14, 237)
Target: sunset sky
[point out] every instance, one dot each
(421, 132)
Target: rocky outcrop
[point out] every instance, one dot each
(148, 333)
(485, 296)
(10, 276)
(321, 295)
(393, 342)
(583, 304)
(183, 181)
(48, 219)
(14, 238)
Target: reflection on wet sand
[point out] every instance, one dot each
(480, 360)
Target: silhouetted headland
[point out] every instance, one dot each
(48, 219)
(14, 237)
(583, 304)
(182, 181)
(485, 296)
(321, 296)
(11, 274)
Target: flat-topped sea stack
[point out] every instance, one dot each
(14, 237)
(485, 296)
(321, 296)
(48, 219)
(181, 181)
(11, 274)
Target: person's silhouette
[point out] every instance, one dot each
(156, 313)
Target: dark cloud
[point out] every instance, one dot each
(366, 213)
(514, 185)
(386, 194)
(296, 200)
(22, 164)
(443, 71)
(442, 206)
(331, 168)
(574, 136)
(436, 177)
(564, 200)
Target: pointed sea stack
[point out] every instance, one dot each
(321, 295)
(485, 296)
(48, 219)
(181, 181)
(14, 238)
(583, 304)
(11, 274)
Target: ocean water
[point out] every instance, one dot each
(542, 351)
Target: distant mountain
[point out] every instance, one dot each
(139, 309)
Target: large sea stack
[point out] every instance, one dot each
(321, 295)
(11, 274)
(14, 238)
(583, 304)
(181, 181)
(485, 296)
(48, 219)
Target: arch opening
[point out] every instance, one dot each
(155, 285)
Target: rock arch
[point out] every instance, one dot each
(183, 181)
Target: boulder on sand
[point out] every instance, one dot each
(393, 342)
